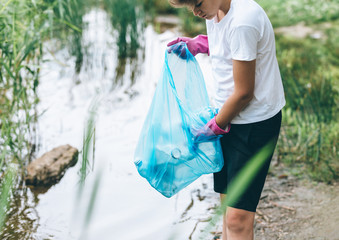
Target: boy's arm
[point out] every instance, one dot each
(244, 79)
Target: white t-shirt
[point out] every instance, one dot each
(245, 34)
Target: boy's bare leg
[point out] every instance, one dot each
(237, 223)
(223, 236)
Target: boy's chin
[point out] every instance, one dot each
(209, 17)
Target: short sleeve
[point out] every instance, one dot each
(244, 43)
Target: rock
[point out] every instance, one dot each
(51, 166)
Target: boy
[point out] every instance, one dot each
(249, 94)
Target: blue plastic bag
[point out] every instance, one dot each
(170, 154)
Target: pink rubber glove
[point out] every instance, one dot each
(212, 124)
(212, 129)
(196, 45)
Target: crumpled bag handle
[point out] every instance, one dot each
(181, 105)
(171, 81)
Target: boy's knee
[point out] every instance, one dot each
(238, 220)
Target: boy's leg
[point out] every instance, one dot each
(223, 236)
(238, 147)
(239, 224)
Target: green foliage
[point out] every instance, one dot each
(289, 12)
(308, 77)
(24, 25)
(22, 31)
(310, 145)
(331, 44)
(310, 128)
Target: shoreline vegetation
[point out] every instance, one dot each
(309, 134)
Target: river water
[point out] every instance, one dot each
(126, 207)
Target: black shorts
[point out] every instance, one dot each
(238, 146)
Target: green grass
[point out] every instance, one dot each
(290, 12)
(7, 184)
(310, 128)
(88, 146)
(87, 167)
(309, 136)
(24, 26)
(21, 36)
(308, 68)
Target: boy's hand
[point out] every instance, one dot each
(212, 129)
(196, 45)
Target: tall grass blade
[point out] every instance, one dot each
(86, 167)
(6, 187)
(5, 5)
(91, 205)
(88, 145)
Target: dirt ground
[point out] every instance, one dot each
(291, 208)
(294, 209)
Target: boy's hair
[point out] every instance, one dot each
(183, 3)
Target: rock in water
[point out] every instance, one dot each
(51, 166)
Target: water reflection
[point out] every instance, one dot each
(101, 69)
(23, 219)
(103, 63)
(126, 74)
